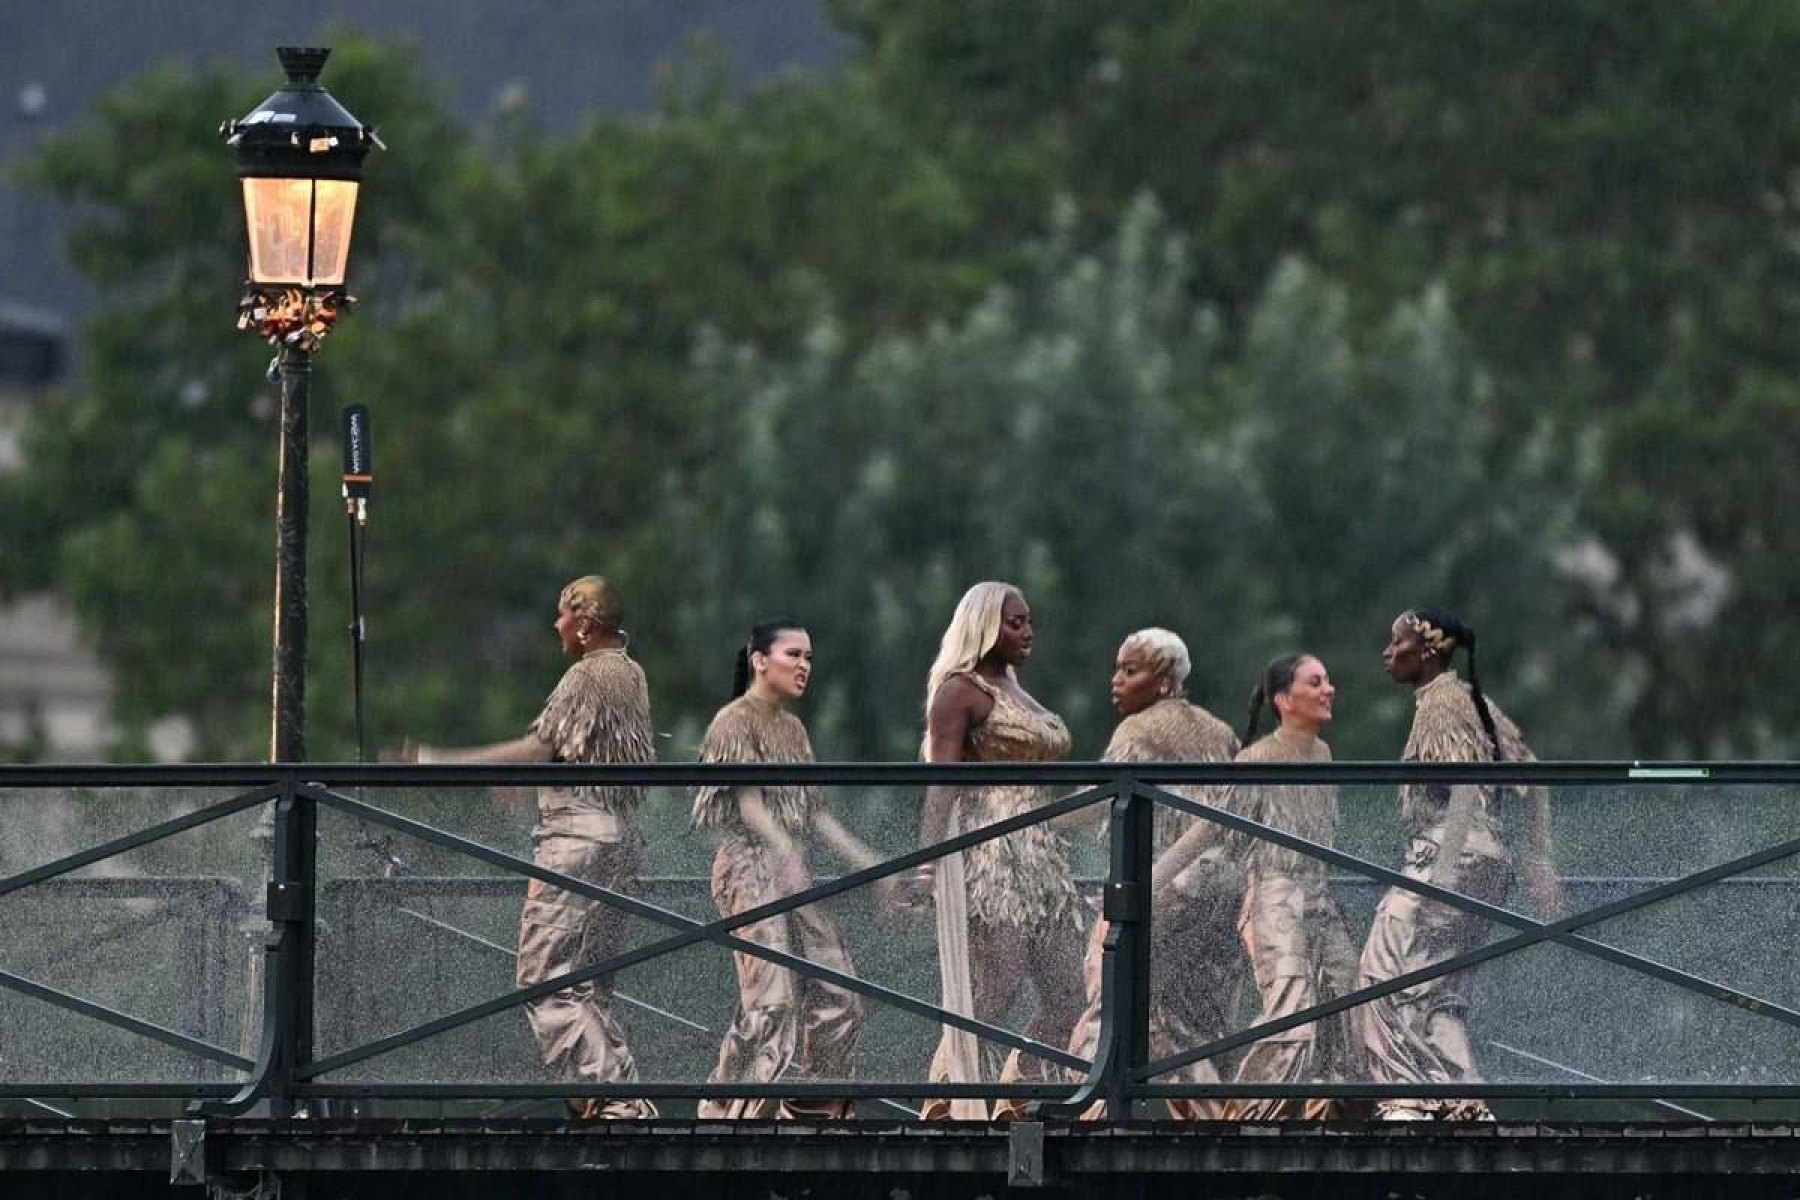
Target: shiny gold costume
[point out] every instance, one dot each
(598, 713)
(786, 1026)
(1294, 933)
(1196, 970)
(1418, 1034)
(1024, 913)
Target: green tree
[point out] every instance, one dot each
(1608, 197)
(1080, 434)
(531, 307)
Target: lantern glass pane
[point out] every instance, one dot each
(332, 222)
(280, 213)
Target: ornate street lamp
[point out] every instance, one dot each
(299, 157)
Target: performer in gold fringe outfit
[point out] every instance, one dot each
(1196, 968)
(787, 1026)
(598, 713)
(1292, 928)
(1418, 1034)
(1007, 908)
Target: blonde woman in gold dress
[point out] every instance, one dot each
(786, 1026)
(1196, 967)
(598, 713)
(1007, 909)
(1419, 1034)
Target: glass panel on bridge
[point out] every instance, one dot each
(150, 950)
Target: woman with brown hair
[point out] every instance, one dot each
(1292, 928)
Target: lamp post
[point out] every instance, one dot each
(299, 160)
(299, 157)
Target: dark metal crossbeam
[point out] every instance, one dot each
(694, 932)
(288, 1005)
(260, 774)
(1560, 931)
(121, 1020)
(143, 837)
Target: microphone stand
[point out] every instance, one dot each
(356, 513)
(356, 509)
(356, 487)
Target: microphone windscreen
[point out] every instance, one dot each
(359, 456)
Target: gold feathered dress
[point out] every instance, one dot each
(1024, 915)
(1196, 969)
(598, 713)
(786, 1026)
(1294, 932)
(1419, 1034)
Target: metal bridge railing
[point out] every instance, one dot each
(284, 1072)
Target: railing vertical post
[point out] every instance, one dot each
(1126, 966)
(1123, 1042)
(289, 995)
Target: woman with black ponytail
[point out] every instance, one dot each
(1292, 930)
(786, 1026)
(1454, 833)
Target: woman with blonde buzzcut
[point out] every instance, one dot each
(598, 713)
(1196, 969)
(1007, 909)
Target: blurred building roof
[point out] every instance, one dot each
(33, 347)
(561, 60)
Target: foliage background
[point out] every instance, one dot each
(1260, 322)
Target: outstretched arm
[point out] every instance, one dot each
(1122, 748)
(1200, 837)
(528, 749)
(849, 849)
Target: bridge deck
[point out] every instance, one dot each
(899, 1161)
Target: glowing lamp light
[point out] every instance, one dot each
(299, 158)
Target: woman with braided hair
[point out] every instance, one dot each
(1418, 1034)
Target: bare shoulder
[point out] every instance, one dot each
(959, 700)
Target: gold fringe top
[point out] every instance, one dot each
(1022, 879)
(599, 712)
(1304, 810)
(1173, 730)
(751, 731)
(1447, 728)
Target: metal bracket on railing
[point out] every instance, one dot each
(187, 1152)
(1123, 1042)
(287, 1016)
(1025, 1155)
